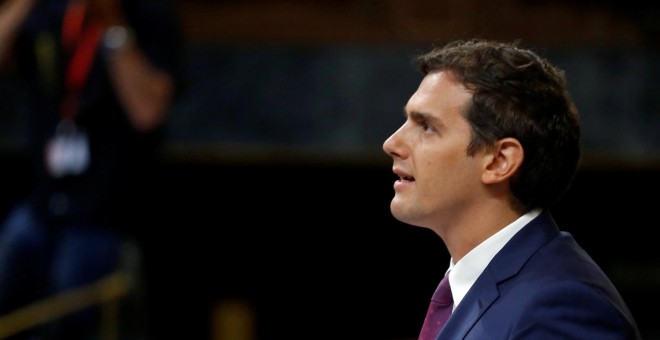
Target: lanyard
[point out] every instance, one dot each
(80, 39)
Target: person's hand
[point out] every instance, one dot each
(12, 14)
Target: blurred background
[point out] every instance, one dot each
(270, 210)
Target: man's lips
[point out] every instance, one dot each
(403, 176)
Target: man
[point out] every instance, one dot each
(101, 76)
(490, 143)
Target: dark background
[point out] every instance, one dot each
(272, 189)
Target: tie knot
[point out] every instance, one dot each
(439, 311)
(442, 294)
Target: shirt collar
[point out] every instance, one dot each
(463, 274)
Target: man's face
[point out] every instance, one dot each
(437, 179)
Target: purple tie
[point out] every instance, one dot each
(439, 310)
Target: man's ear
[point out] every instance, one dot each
(502, 161)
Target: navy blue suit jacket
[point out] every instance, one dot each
(541, 285)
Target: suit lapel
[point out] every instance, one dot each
(506, 264)
(471, 308)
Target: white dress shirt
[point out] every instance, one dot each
(463, 274)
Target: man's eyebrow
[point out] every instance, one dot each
(426, 117)
(416, 115)
(421, 116)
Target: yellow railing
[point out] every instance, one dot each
(106, 292)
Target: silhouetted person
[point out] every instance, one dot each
(101, 75)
